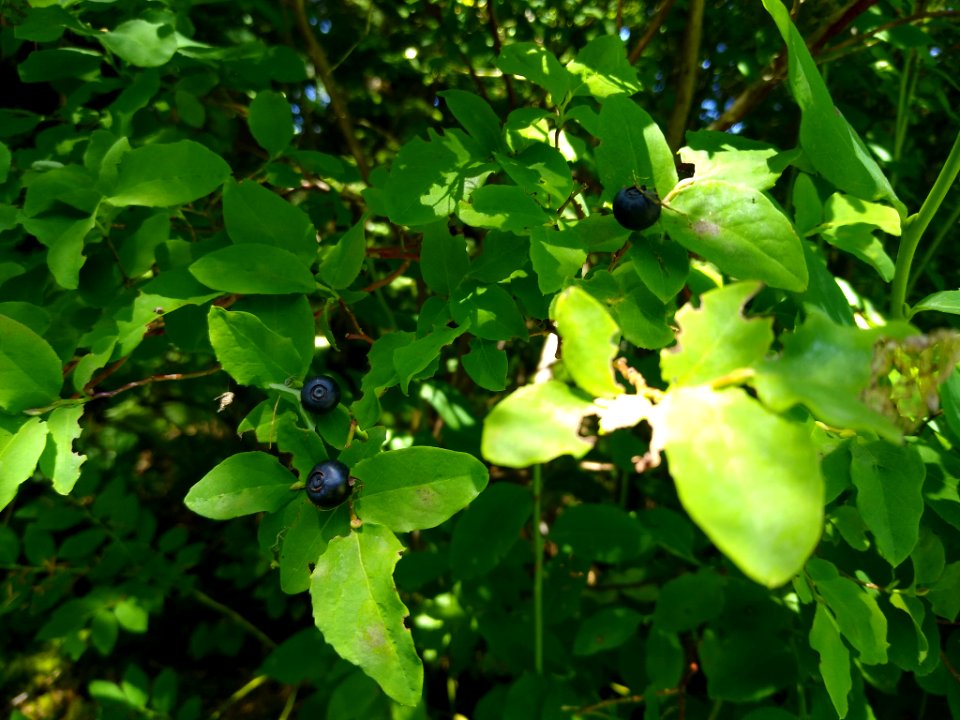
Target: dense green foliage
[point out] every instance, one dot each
(706, 469)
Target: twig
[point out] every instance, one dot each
(384, 281)
(360, 334)
(156, 378)
(497, 46)
(319, 59)
(652, 29)
(687, 76)
(236, 617)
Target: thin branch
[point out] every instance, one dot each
(360, 334)
(652, 29)
(319, 59)
(687, 76)
(384, 281)
(156, 378)
(497, 45)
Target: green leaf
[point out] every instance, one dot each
(250, 351)
(723, 156)
(243, 484)
(607, 629)
(252, 268)
(540, 171)
(536, 424)
(856, 611)
(307, 532)
(590, 340)
(254, 214)
(31, 374)
(47, 65)
(486, 364)
(19, 455)
(356, 607)
(826, 367)
(828, 140)
(64, 427)
(604, 533)
(739, 230)
(421, 353)
(64, 236)
(502, 207)
(716, 339)
(487, 529)
(161, 175)
(944, 595)
(632, 149)
(417, 487)
(342, 264)
(538, 65)
(889, 479)
(947, 301)
(834, 658)
(489, 311)
(443, 259)
(141, 43)
(604, 69)
(271, 121)
(427, 179)
(750, 479)
(557, 258)
(662, 265)
(477, 118)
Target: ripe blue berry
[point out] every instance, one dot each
(635, 208)
(328, 484)
(320, 394)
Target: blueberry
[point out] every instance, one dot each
(635, 208)
(328, 484)
(320, 394)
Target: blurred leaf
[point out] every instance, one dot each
(488, 528)
(689, 600)
(834, 658)
(356, 607)
(607, 629)
(598, 532)
(271, 121)
(141, 43)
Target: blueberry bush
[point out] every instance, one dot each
(479, 359)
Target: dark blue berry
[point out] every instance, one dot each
(320, 394)
(328, 484)
(636, 208)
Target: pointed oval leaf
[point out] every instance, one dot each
(19, 455)
(271, 121)
(358, 610)
(250, 351)
(417, 487)
(536, 424)
(161, 175)
(254, 214)
(739, 230)
(590, 341)
(243, 484)
(750, 479)
(889, 480)
(834, 658)
(254, 268)
(31, 374)
(343, 262)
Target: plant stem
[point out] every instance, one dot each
(914, 227)
(934, 246)
(239, 619)
(537, 571)
(239, 695)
